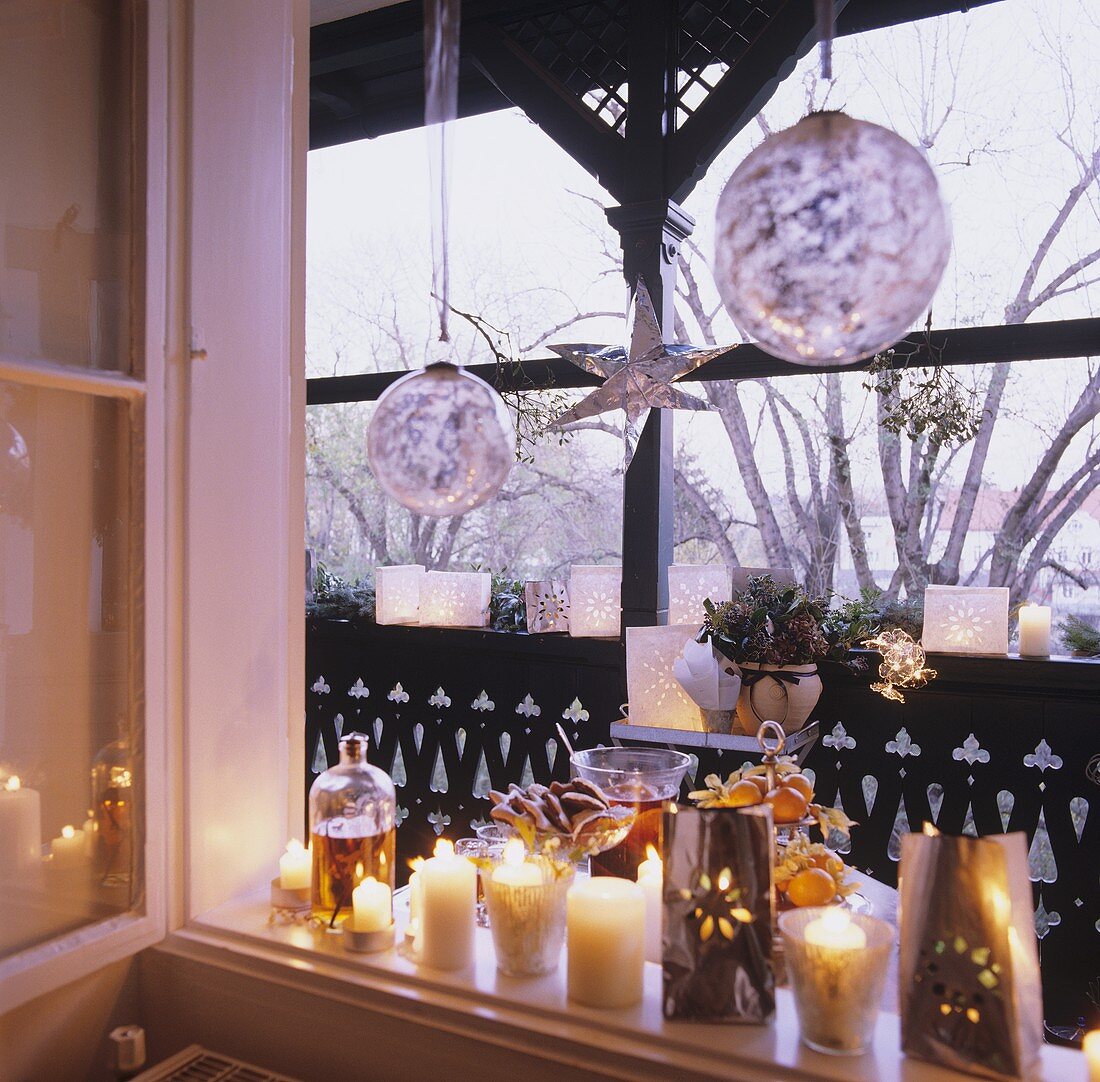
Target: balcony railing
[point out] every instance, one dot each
(993, 745)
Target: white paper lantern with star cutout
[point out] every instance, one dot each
(655, 695)
(595, 599)
(689, 585)
(831, 240)
(965, 620)
(397, 593)
(455, 598)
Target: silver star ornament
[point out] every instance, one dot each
(637, 379)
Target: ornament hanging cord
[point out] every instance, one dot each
(442, 19)
(825, 13)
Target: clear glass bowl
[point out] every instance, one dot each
(644, 779)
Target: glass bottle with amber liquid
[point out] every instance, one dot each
(352, 815)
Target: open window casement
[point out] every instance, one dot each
(150, 401)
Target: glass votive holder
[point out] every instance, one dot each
(837, 964)
(525, 897)
(478, 852)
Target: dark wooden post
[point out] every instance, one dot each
(651, 228)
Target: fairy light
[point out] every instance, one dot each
(902, 663)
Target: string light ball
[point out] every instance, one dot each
(831, 240)
(441, 441)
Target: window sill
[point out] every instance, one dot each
(532, 1016)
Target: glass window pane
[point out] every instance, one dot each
(65, 183)
(562, 504)
(801, 472)
(69, 769)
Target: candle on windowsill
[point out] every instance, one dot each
(1034, 630)
(447, 913)
(651, 878)
(295, 866)
(20, 828)
(67, 851)
(837, 965)
(372, 906)
(606, 942)
(1091, 1047)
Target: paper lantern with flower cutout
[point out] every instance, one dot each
(455, 598)
(547, 602)
(397, 593)
(968, 960)
(831, 240)
(654, 694)
(595, 599)
(689, 585)
(965, 620)
(717, 895)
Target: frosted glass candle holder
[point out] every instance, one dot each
(595, 599)
(689, 585)
(837, 979)
(965, 620)
(397, 594)
(655, 695)
(455, 599)
(527, 919)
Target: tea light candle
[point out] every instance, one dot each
(68, 850)
(651, 878)
(1034, 630)
(834, 929)
(837, 965)
(20, 827)
(371, 906)
(447, 912)
(606, 942)
(295, 866)
(1091, 1047)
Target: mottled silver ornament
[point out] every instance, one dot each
(440, 441)
(831, 240)
(636, 379)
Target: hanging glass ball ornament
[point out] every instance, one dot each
(831, 240)
(441, 441)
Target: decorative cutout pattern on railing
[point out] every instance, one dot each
(452, 714)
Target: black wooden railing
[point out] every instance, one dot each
(992, 745)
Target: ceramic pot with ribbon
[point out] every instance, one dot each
(783, 693)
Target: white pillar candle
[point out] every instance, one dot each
(1091, 1048)
(371, 906)
(651, 878)
(448, 909)
(606, 942)
(1034, 630)
(835, 929)
(68, 850)
(20, 828)
(295, 867)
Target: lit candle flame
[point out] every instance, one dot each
(514, 853)
(359, 869)
(651, 852)
(13, 783)
(292, 846)
(415, 863)
(68, 832)
(444, 848)
(835, 920)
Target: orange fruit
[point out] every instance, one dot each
(801, 783)
(814, 886)
(743, 793)
(788, 805)
(760, 781)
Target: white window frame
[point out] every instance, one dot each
(47, 966)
